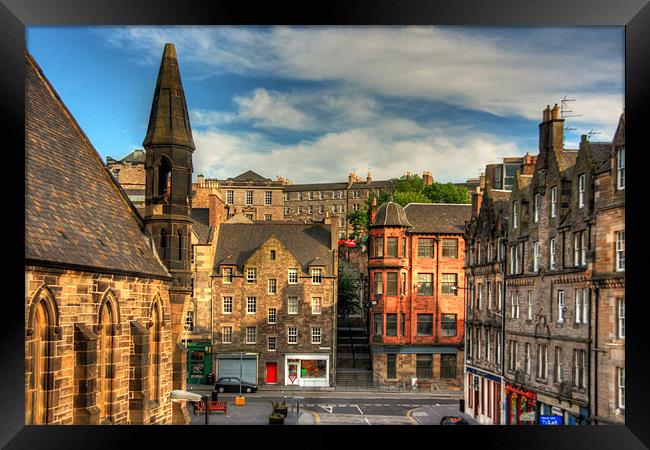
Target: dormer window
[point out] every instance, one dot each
(316, 276)
(226, 275)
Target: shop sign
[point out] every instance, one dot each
(527, 416)
(550, 420)
(476, 383)
(556, 411)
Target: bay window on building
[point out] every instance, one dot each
(379, 246)
(391, 324)
(425, 284)
(620, 251)
(425, 247)
(391, 247)
(449, 284)
(379, 283)
(379, 324)
(424, 366)
(448, 324)
(391, 283)
(425, 324)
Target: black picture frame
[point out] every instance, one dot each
(16, 14)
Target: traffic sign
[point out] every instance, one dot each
(292, 377)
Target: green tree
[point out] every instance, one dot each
(405, 197)
(360, 219)
(446, 193)
(348, 292)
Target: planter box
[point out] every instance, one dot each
(273, 421)
(283, 411)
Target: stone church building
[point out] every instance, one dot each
(105, 287)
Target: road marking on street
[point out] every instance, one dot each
(420, 413)
(327, 408)
(357, 406)
(367, 421)
(437, 404)
(342, 406)
(413, 420)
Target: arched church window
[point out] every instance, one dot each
(106, 349)
(40, 353)
(154, 352)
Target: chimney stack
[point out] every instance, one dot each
(427, 178)
(373, 210)
(477, 199)
(369, 177)
(331, 220)
(200, 179)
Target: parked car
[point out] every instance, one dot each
(231, 384)
(453, 420)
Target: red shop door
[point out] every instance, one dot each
(271, 372)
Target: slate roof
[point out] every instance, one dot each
(567, 159)
(249, 175)
(390, 214)
(438, 217)
(307, 242)
(201, 224)
(76, 215)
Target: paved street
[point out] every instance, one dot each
(334, 409)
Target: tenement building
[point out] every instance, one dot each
(274, 297)
(98, 328)
(313, 201)
(249, 193)
(607, 379)
(550, 260)
(416, 276)
(130, 173)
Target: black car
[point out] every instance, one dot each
(231, 384)
(453, 420)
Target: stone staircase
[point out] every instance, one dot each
(353, 354)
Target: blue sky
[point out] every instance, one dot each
(314, 103)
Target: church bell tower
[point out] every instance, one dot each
(169, 147)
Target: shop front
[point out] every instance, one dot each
(307, 369)
(238, 365)
(568, 413)
(483, 396)
(521, 406)
(199, 362)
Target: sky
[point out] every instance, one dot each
(313, 104)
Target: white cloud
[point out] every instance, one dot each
(447, 64)
(390, 148)
(272, 110)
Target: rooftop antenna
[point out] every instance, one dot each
(592, 132)
(564, 111)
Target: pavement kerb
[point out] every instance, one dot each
(413, 420)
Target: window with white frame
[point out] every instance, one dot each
(316, 305)
(268, 197)
(515, 214)
(230, 197)
(498, 296)
(251, 335)
(620, 168)
(333, 209)
(249, 197)
(272, 343)
(355, 207)
(535, 256)
(579, 368)
(189, 321)
(585, 305)
(316, 334)
(620, 381)
(479, 347)
(251, 305)
(310, 209)
(537, 205)
(226, 335)
(560, 306)
(341, 208)
(554, 201)
(529, 311)
(512, 259)
(620, 315)
(316, 276)
(310, 195)
(286, 196)
(272, 316)
(480, 295)
(527, 359)
(292, 305)
(552, 254)
(251, 275)
(268, 217)
(292, 335)
(558, 364)
(490, 296)
(293, 276)
(488, 355)
(582, 186)
(226, 275)
(335, 195)
(513, 309)
(272, 286)
(320, 195)
(226, 305)
(299, 209)
(498, 352)
(578, 309)
(620, 251)
(542, 361)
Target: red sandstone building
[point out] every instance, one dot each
(416, 256)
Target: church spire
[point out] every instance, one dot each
(169, 122)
